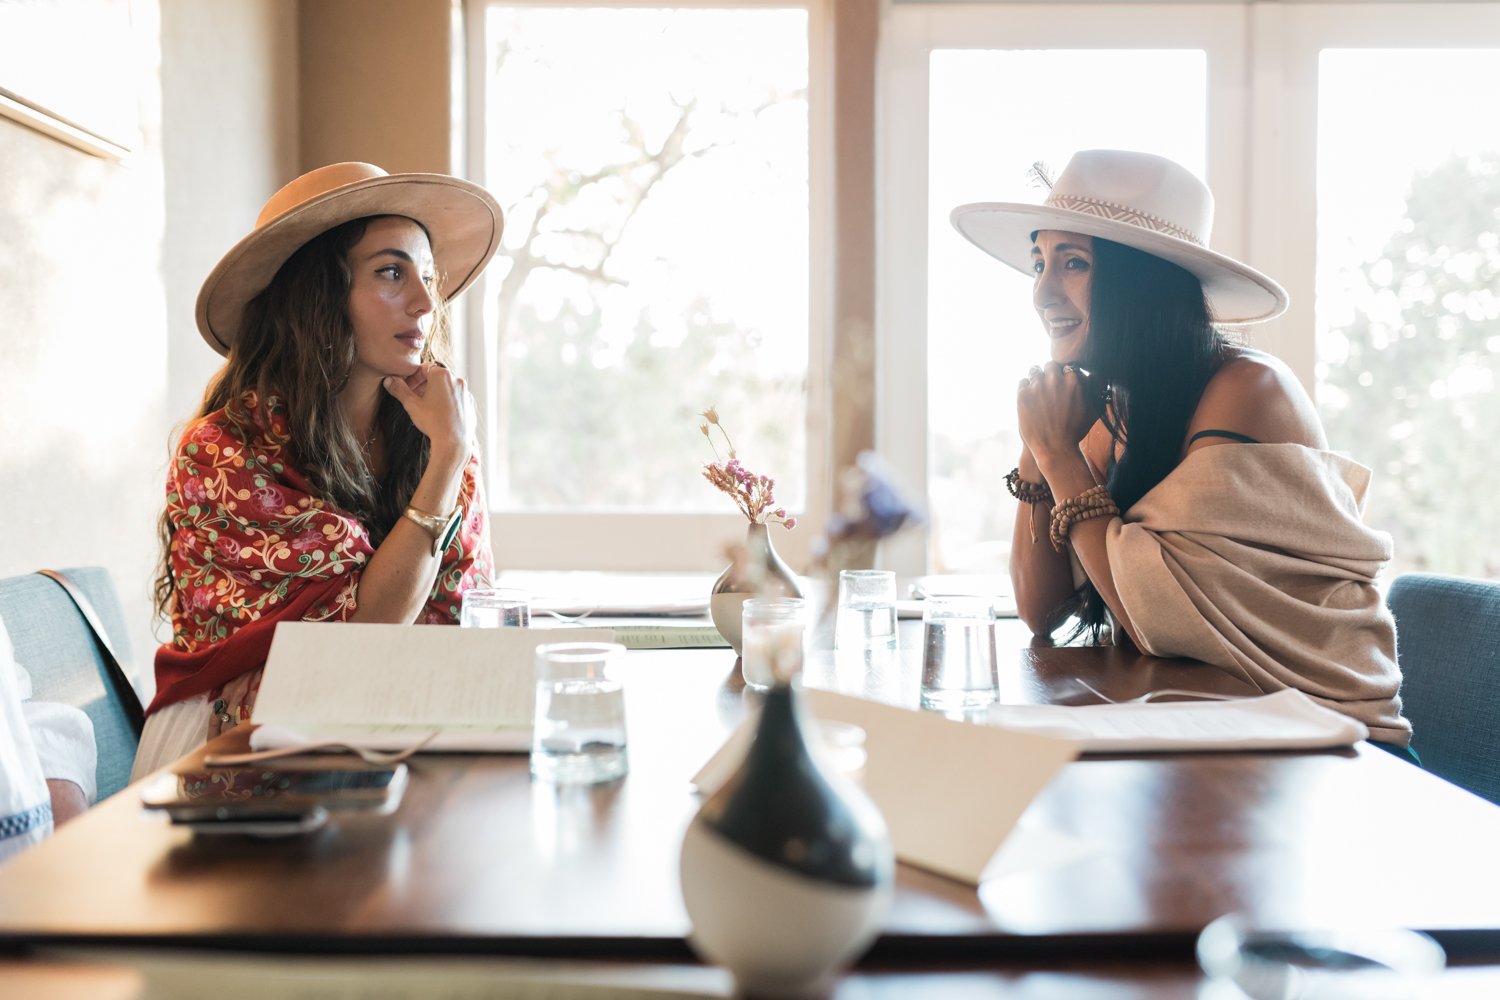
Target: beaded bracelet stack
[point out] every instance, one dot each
(1034, 494)
(1025, 492)
(1091, 503)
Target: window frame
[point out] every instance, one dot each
(646, 540)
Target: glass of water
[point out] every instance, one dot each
(774, 629)
(495, 608)
(867, 610)
(959, 663)
(578, 734)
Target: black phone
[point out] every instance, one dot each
(229, 819)
(284, 793)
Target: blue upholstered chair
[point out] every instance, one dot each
(55, 645)
(1448, 645)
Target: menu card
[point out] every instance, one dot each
(387, 687)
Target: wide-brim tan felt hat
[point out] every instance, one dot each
(1138, 199)
(462, 219)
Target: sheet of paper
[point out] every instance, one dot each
(996, 586)
(703, 636)
(633, 632)
(617, 594)
(345, 679)
(460, 739)
(950, 792)
(1286, 720)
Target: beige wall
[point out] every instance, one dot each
(84, 373)
(229, 109)
(99, 265)
(375, 77)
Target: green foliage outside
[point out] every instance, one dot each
(624, 434)
(607, 348)
(1409, 387)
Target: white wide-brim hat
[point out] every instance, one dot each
(1138, 199)
(462, 219)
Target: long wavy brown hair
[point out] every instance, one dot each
(296, 344)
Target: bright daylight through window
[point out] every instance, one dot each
(1409, 292)
(653, 165)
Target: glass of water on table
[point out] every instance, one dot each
(960, 667)
(867, 610)
(578, 732)
(489, 607)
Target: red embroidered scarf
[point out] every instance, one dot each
(252, 546)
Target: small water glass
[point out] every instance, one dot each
(867, 610)
(578, 734)
(1354, 963)
(959, 664)
(495, 608)
(774, 631)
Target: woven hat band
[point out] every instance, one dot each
(1120, 213)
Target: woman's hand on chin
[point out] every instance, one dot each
(440, 406)
(1054, 413)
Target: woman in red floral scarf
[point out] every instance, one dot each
(331, 473)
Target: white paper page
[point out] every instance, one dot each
(450, 739)
(1285, 720)
(326, 676)
(950, 791)
(574, 592)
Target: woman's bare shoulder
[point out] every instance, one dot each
(1256, 395)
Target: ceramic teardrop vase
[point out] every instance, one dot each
(766, 575)
(786, 870)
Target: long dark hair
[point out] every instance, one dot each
(1151, 350)
(296, 345)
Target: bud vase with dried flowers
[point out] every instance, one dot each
(787, 869)
(756, 568)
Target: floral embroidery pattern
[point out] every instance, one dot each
(249, 533)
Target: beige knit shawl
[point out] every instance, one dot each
(1255, 558)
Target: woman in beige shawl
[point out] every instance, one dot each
(1176, 487)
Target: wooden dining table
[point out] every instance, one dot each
(481, 860)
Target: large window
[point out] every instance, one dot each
(1355, 156)
(1408, 306)
(654, 165)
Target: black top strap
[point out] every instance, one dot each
(130, 702)
(1231, 435)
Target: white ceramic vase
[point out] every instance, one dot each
(765, 575)
(786, 870)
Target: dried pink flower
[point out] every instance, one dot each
(753, 494)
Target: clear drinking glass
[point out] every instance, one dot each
(1327, 964)
(774, 630)
(578, 734)
(867, 610)
(495, 608)
(959, 663)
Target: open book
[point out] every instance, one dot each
(387, 687)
